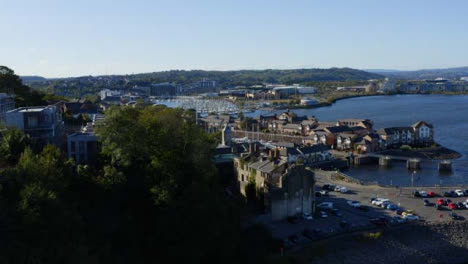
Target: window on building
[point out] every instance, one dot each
(81, 147)
(32, 121)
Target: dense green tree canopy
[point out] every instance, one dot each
(153, 197)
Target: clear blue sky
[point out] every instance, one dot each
(73, 38)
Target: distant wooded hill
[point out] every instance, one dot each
(77, 86)
(449, 73)
(28, 79)
(249, 77)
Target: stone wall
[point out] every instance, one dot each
(296, 196)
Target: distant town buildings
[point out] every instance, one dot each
(281, 91)
(110, 95)
(388, 86)
(437, 85)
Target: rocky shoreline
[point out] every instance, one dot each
(410, 243)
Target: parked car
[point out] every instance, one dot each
(455, 216)
(354, 204)
(343, 190)
(399, 211)
(337, 188)
(465, 204)
(392, 207)
(336, 212)
(398, 219)
(438, 207)
(448, 201)
(326, 186)
(441, 201)
(321, 193)
(385, 203)
(459, 193)
(460, 205)
(325, 205)
(422, 194)
(450, 193)
(307, 216)
(379, 201)
(427, 203)
(466, 192)
(452, 206)
(431, 194)
(411, 217)
(416, 193)
(323, 214)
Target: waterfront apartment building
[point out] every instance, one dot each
(7, 103)
(43, 123)
(163, 89)
(420, 133)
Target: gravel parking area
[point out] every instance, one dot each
(360, 219)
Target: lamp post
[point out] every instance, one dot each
(412, 178)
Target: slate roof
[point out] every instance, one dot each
(266, 165)
(272, 165)
(320, 132)
(308, 122)
(373, 135)
(285, 144)
(314, 149)
(393, 130)
(288, 151)
(293, 126)
(338, 129)
(419, 123)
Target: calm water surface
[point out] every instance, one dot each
(448, 114)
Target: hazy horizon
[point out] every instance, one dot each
(57, 39)
(241, 69)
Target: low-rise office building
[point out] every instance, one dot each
(43, 123)
(83, 147)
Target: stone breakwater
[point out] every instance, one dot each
(412, 243)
